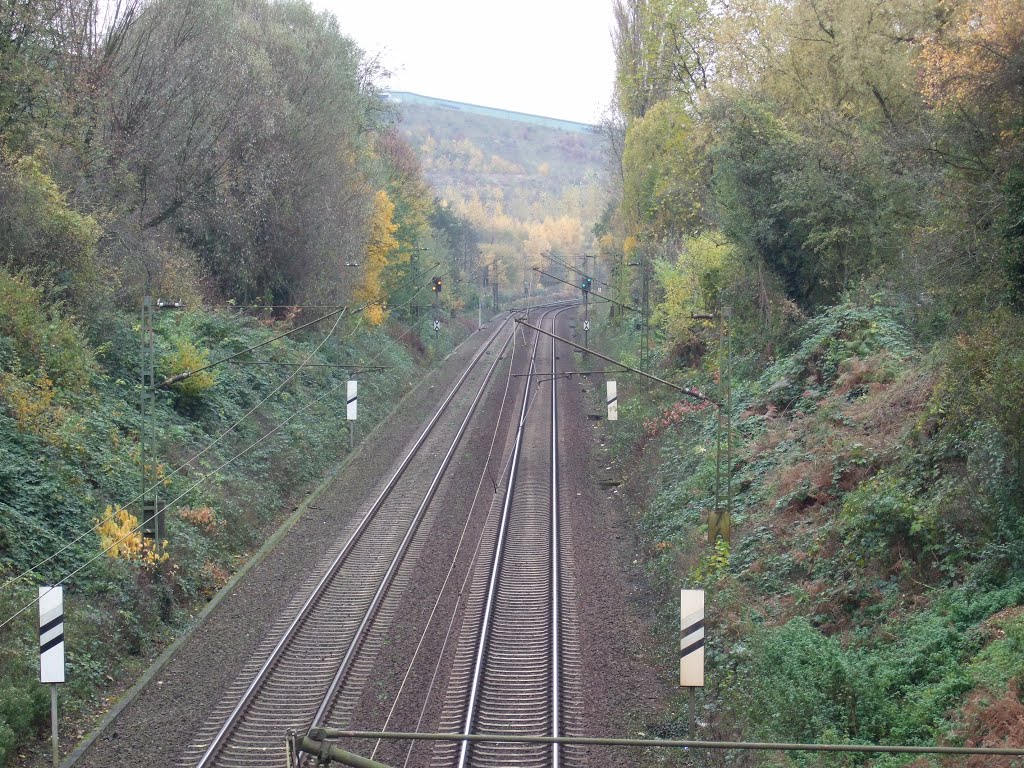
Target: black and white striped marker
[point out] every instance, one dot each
(613, 402)
(691, 638)
(51, 634)
(353, 388)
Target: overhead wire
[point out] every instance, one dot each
(230, 429)
(451, 569)
(462, 589)
(177, 498)
(455, 557)
(205, 476)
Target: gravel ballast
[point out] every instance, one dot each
(619, 686)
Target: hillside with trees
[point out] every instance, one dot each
(237, 163)
(527, 184)
(847, 179)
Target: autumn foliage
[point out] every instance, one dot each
(380, 246)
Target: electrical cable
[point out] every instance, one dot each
(177, 498)
(205, 476)
(462, 589)
(186, 374)
(226, 432)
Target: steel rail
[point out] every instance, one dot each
(335, 565)
(403, 547)
(496, 569)
(556, 620)
(474, 688)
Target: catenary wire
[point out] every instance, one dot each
(188, 490)
(233, 427)
(458, 548)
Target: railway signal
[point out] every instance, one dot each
(435, 285)
(588, 283)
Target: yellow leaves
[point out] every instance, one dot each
(688, 283)
(375, 314)
(664, 169)
(971, 53)
(629, 246)
(31, 402)
(380, 245)
(382, 228)
(122, 539)
(188, 357)
(29, 399)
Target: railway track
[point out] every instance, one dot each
(517, 645)
(516, 668)
(297, 672)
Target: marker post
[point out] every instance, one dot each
(691, 647)
(51, 652)
(352, 405)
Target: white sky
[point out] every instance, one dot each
(545, 57)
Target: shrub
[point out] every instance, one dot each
(23, 708)
(841, 333)
(188, 357)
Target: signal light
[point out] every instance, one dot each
(436, 285)
(587, 283)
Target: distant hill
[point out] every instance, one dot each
(528, 183)
(404, 97)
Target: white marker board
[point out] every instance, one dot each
(613, 402)
(51, 634)
(691, 638)
(352, 401)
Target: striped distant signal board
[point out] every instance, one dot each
(51, 634)
(691, 638)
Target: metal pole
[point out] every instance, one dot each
(693, 712)
(727, 317)
(718, 417)
(586, 318)
(54, 722)
(415, 281)
(317, 734)
(351, 435)
(331, 753)
(146, 380)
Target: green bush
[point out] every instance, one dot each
(800, 685)
(887, 510)
(40, 338)
(837, 335)
(187, 357)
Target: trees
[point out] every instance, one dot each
(241, 125)
(665, 171)
(382, 243)
(663, 49)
